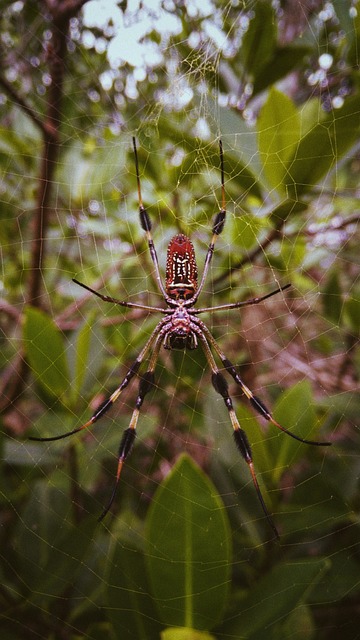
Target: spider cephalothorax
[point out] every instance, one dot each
(180, 328)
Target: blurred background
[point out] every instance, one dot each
(278, 82)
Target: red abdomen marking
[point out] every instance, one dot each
(181, 268)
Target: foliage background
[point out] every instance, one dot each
(279, 83)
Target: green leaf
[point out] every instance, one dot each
(299, 624)
(131, 608)
(321, 148)
(49, 548)
(82, 355)
(352, 37)
(316, 507)
(245, 229)
(332, 299)
(86, 356)
(278, 134)
(343, 405)
(283, 60)
(352, 313)
(88, 167)
(183, 633)
(341, 580)
(274, 597)
(188, 549)
(295, 411)
(260, 39)
(287, 209)
(45, 352)
(239, 161)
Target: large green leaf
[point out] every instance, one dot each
(88, 167)
(274, 597)
(352, 33)
(283, 60)
(295, 411)
(48, 547)
(85, 355)
(188, 549)
(341, 580)
(260, 39)
(131, 608)
(323, 146)
(278, 135)
(352, 313)
(332, 298)
(287, 209)
(184, 633)
(45, 352)
(82, 355)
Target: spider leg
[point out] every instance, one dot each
(256, 403)
(244, 303)
(131, 305)
(128, 439)
(221, 386)
(107, 404)
(218, 226)
(146, 226)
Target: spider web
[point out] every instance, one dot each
(179, 77)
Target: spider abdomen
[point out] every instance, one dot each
(181, 268)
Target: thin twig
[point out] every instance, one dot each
(276, 234)
(250, 257)
(7, 86)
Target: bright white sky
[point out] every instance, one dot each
(125, 45)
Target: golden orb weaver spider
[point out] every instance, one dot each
(180, 328)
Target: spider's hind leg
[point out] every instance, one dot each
(221, 386)
(261, 408)
(128, 439)
(255, 402)
(109, 402)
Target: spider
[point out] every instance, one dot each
(181, 328)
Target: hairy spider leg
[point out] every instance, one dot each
(221, 386)
(122, 303)
(107, 404)
(146, 225)
(244, 303)
(127, 442)
(256, 403)
(218, 226)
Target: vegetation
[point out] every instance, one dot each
(186, 553)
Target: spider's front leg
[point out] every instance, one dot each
(146, 225)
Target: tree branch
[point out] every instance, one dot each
(61, 11)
